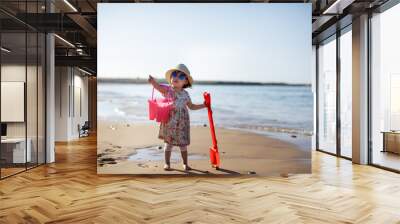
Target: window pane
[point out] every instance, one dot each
(346, 94)
(327, 96)
(386, 89)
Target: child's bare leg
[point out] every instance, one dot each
(184, 154)
(167, 155)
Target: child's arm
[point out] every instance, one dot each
(195, 106)
(156, 86)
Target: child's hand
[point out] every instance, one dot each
(151, 79)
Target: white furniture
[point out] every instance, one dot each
(18, 149)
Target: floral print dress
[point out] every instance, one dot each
(177, 130)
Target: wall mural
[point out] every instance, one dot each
(204, 89)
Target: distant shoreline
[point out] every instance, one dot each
(199, 82)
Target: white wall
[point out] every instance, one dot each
(71, 93)
(62, 82)
(15, 72)
(81, 89)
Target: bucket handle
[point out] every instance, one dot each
(168, 90)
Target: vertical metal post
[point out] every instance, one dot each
(37, 88)
(0, 97)
(369, 88)
(26, 86)
(317, 97)
(338, 81)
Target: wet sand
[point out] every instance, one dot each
(126, 148)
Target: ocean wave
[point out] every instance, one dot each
(287, 130)
(261, 109)
(119, 112)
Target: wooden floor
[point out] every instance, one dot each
(387, 159)
(70, 191)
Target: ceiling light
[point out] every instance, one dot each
(5, 50)
(70, 5)
(338, 6)
(64, 40)
(84, 71)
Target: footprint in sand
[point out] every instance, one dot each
(109, 150)
(142, 165)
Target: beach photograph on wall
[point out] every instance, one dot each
(204, 89)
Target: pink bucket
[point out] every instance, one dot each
(159, 109)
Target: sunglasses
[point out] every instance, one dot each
(179, 75)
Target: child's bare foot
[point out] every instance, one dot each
(167, 167)
(186, 167)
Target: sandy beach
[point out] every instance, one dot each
(128, 148)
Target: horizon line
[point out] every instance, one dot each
(162, 80)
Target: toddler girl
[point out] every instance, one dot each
(176, 132)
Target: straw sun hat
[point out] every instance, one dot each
(182, 68)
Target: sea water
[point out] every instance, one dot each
(262, 108)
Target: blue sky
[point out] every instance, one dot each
(235, 42)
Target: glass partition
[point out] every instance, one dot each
(32, 87)
(22, 88)
(13, 110)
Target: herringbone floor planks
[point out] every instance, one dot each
(70, 191)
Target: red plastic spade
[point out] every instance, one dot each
(214, 155)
